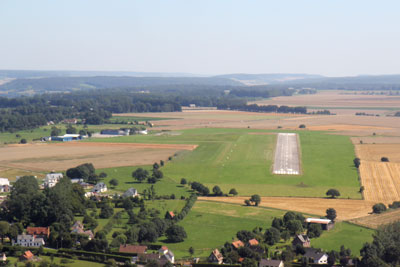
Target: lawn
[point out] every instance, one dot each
(166, 186)
(71, 263)
(209, 225)
(347, 234)
(241, 159)
(37, 133)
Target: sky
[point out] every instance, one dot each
(332, 38)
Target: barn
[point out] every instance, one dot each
(325, 223)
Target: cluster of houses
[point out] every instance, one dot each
(163, 256)
(77, 228)
(122, 132)
(315, 256)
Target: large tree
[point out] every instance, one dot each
(331, 214)
(384, 251)
(333, 193)
(272, 236)
(176, 233)
(256, 199)
(140, 174)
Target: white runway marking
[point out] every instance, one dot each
(287, 155)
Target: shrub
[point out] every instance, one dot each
(378, 208)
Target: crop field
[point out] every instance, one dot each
(381, 181)
(374, 152)
(346, 208)
(376, 220)
(336, 99)
(60, 156)
(234, 158)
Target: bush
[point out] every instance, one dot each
(176, 233)
(394, 205)
(385, 159)
(378, 208)
(23, 141)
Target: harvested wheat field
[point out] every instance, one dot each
(335, 99)
(375, 140)
(346, 208)
(381, 181)
(345, 127)
(374, 152)
(60, 156)
(376, 220)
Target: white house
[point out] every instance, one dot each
(4, 181)
(99, 188)
(52, 179)
(131, 192)
(28, 241)
(167, 253)
(316, 256)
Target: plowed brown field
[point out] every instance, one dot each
(346, 208)
(381, 181)
(61, 156)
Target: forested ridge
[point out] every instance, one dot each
(96, 106)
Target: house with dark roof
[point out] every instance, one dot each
(131, 192)
(326, 224)
(316, 256)
(237, 244)
(301, 240)
(270, 263)
(134, 249)
(216, 257)
(165, 252)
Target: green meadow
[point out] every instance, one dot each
(347, 234)
(243, 159)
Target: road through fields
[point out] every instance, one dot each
(287, 155)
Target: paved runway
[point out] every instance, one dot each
(287, 155)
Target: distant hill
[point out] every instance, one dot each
(67, 84)
(19, 74)
(261, 79)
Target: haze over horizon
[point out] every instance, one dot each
(339, 38)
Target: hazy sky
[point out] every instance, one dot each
(330, 37)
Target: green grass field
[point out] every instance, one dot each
(166, 186)
(120, 119)
(349, 235)
(37, 133)
(236, 158)
(72, 263)
(209, 225)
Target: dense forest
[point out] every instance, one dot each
(94, 107)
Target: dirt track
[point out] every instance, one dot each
(346, 208)
(60, 156)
